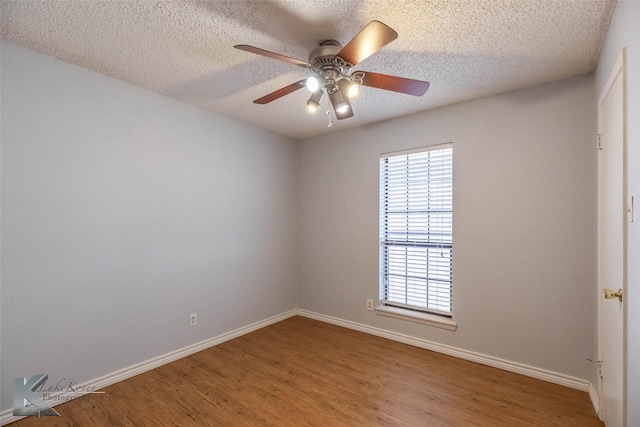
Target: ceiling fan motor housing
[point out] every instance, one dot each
(325, 63)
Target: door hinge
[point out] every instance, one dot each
(599, 141)
(598, 363)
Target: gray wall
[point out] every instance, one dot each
(624, 31)
(524, 223)
(122, 212)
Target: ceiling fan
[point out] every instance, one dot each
(331, 64)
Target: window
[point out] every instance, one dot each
(416, 228)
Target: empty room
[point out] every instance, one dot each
(320, 213)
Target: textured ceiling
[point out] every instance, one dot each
(184, 49)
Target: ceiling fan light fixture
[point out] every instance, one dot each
(314, 102)
(313, 84)
(353, 90)
(340, 103)
(354, 83)
(350, 88)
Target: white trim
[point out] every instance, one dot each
(416, 150)
(595, 400)
(7, 417)
(615, 72)
(619, 70)
(417, 316)
(506, 365)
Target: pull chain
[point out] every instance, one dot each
(329, 114)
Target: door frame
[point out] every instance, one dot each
(620, 67)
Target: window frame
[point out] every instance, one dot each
(388, 307)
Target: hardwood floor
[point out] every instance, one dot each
(301, 372)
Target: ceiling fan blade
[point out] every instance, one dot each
(280, 93)
(273, 55)
(367, 42)
(345, 114)
(394, 83)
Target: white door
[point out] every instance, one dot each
(612, 244)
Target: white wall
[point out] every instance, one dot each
(624, 31)
(524, 223)
(122, 212)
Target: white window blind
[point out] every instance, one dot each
(416, 221)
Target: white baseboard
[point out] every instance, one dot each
(518, 368)
(595, 400)
(7, 416)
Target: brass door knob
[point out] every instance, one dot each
(611, 294)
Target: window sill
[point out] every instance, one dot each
(413, 316)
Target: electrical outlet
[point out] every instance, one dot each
(370, 304)
(193, 319)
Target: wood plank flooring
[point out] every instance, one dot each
(301, 372)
